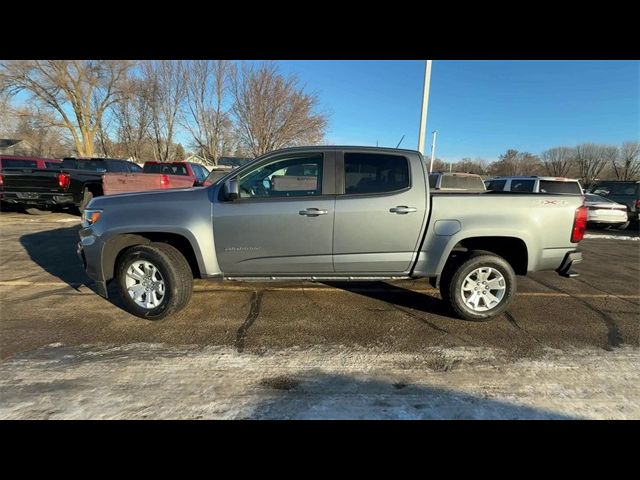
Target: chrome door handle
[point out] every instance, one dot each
(402, 209)
(313, 212)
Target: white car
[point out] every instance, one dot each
(605, 213)
(535, 184)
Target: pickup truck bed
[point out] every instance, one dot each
(329, 213)
(114, 183)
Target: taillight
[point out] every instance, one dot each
(64, 180)
(637, 201)
(1, 180)
(164, 180)
(579, 224)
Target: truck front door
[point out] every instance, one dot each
(283, 221)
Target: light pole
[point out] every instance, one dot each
(425, 105)
(433, 150)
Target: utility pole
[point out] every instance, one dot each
(425, 106)
(433, 150)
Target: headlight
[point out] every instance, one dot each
(89, 217)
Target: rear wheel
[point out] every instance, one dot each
(36, 211)
(154, 281)
(479, 287)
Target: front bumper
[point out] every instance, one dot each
(570, 259)
(90, 254)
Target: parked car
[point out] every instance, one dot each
(156, 176)
(328, 213)
(535, 184)
(453, 181)
(216, 173)
(625, 192)
(605, 213)
(75, 184)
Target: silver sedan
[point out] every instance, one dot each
(606, 213)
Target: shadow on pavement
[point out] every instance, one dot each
(55, 252)
(318, 395)
(397, 296)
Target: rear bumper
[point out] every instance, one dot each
(570, 259)
(38, 198)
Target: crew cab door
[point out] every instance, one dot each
(380, 212)
(283, 221)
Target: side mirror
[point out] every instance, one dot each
(231, 189)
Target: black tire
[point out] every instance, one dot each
(175, 271)
(455, 273)
(36, 211)
(87, 196)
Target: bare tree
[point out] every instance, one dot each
(590, 159)
(167, 89)
(272, 111)
(557, 160)
(70, 94)
(205, 115)
(626, 166)
(132, 117)
(513, 162)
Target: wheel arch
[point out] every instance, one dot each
(117, 245)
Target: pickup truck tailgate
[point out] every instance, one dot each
(114, 183)
(30, 180)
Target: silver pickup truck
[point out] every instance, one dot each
(328, 214)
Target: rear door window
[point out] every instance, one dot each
(522, 185)
(550, 186)
(375, 173)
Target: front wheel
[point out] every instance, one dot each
(154, 281)
(480, 288)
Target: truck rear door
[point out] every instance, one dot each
(381, 208)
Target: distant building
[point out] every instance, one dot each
(15, 146)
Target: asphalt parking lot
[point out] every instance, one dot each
(47, 305)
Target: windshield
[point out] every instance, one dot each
(214, 176)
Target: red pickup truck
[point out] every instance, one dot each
(155, 176)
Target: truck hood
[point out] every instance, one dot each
(160, 198)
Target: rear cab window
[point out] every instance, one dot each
(95, 165)
(496, 185)
(17, 163)
(366, 173)
(462, 182)
(166, 168)
(551, 186)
